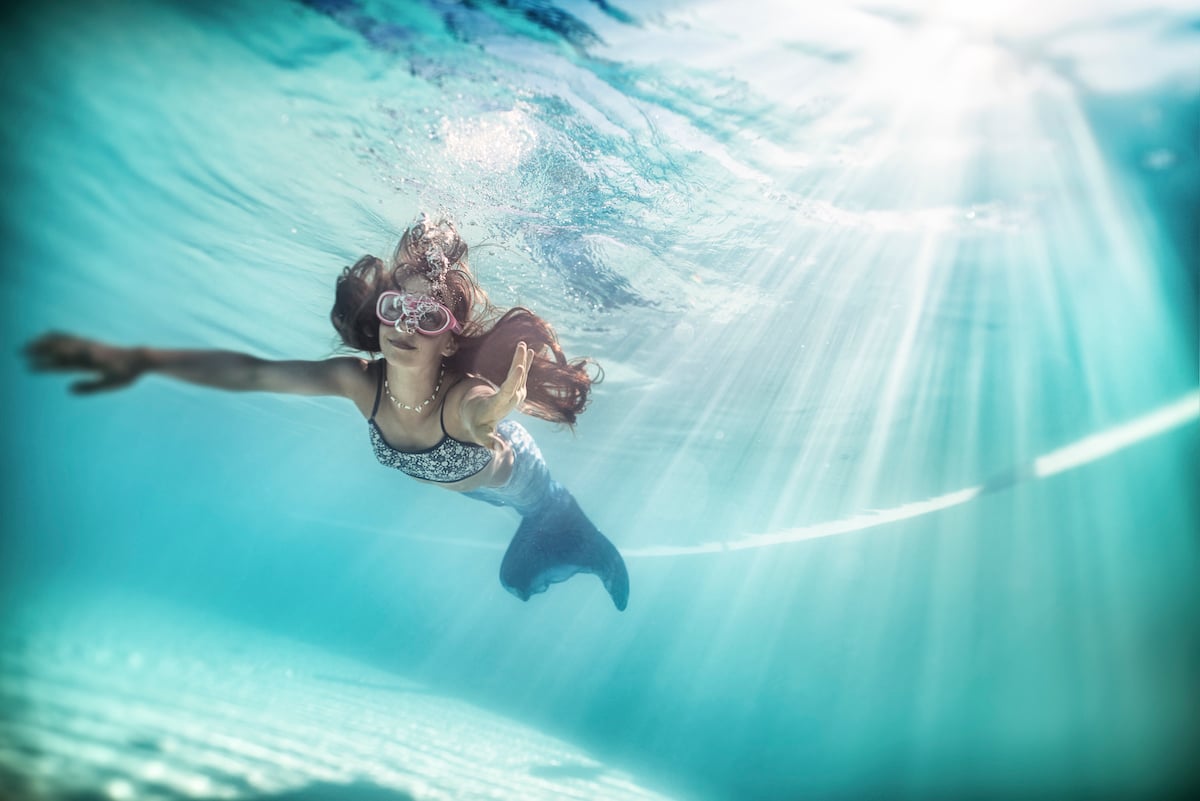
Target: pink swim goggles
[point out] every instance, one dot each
(419, 313)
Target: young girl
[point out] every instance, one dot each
(436, 401)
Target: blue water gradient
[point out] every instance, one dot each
(833, 261)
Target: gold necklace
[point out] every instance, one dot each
(420, 406)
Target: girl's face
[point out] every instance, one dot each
(405, 345)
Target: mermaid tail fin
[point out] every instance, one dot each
(554, 544)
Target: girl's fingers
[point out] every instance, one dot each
(518, 356)
(98, 384)
(518, 370)
(88, 387)
(511, 393)
(41, 351)
(59, 352)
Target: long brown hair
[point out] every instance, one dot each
(556, 389)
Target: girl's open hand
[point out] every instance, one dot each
(115, 367)
(490, 410)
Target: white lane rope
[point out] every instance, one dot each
(1084, 451)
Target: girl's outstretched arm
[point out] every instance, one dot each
(115, 367)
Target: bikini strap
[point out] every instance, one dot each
(379, 390)
(442, 415)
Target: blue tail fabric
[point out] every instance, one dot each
(556, 543)
(555, 539)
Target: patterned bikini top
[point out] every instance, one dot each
(448, 461)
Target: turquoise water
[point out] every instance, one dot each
(897, 306)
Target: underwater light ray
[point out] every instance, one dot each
(919, 92)
(854, 270)
(1022, 386)
(902, 362)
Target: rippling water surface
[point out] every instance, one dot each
(897, 307)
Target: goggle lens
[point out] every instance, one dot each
(421, 312)
(433, 321)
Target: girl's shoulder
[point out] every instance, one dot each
(354, 371)
(356, 378)
(461, 384)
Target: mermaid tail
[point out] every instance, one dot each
(554, 543)
(555, 540)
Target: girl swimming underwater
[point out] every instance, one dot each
(435, 402)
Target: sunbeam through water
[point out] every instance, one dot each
(896, 307)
